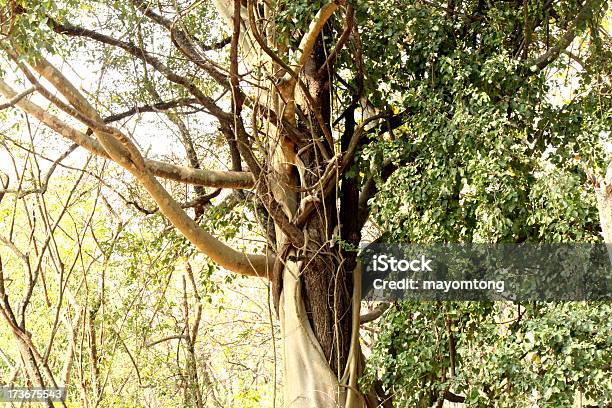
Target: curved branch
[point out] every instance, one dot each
(188, 175)
(17, 98)
(589, 8)
(173, 337)
(156, 107)
(183, 42)
(374, 314)
(316, 25)
(449, 396)
(225, 256)
(207, 102)
(348, 28)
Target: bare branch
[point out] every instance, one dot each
(14, 249)
(17, 98)
(207, 102)
(251, 265)
(173, 337)
(156, 107)
(45, 183)
(4, 179)
(188, 175)
(374, 314)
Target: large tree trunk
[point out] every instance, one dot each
(316, 288)
(315, 302)
(308, 378)
(313, 277)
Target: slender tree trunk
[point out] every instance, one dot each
(604, 207)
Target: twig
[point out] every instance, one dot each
(17, 98)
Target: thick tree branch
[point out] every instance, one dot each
(252, 265)
(119, 147)
(226, 257)
(589, 8)
(201, 177)
(374, 314)
(449, 396)
(316, 25)
(188, 175)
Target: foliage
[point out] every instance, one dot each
(482, 134)
(480, 140)
(506, 355)
(490, 152)
(123, 273)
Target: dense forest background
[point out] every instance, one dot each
(184, 186)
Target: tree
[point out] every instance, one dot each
(326, 108)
